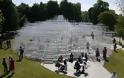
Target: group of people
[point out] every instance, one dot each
(9, 65)
(81, 64)
(6, 44)
(62, 65)
(104, 54)
(97, 53)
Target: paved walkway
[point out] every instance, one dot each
(94, 70)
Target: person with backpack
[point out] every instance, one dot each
(21, 52)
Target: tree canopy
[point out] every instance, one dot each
(10, 14)
(119, 27)
(108, 18)
(98, 8)
(40, 12)
(71, 11)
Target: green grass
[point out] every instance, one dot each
(28, 68)
(116, 63)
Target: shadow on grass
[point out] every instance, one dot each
(7, 73)
(10, 76)
(19, 60)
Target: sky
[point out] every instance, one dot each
(85, 4)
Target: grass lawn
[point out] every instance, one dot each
(27, 68)
(116, 63)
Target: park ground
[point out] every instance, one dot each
(32, 69)
(27, 68)
(116, 63)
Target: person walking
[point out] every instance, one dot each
(86, 57)
(88, 46)
(5, 67)
(21, 50)
(92, 35)
(114, 40)
(11, 64)
(97, 54)
(104, 53)
(115, 46)
(71, 58)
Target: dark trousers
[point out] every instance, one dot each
(5, 69)
(20, 56)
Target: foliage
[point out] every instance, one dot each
(71, 11)
(108, 18)
(119, 27)
(34, 13)
(98, 8)
(23, 9)
(52, 9)
(10, 14)
(41, 12)
(85, 16)
(22, 20)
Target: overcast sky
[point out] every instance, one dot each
(85, 4)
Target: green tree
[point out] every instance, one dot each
(23, 9)
(52, 8)
(85, 16)
(34, 13)
(108, 18)
(98, 8)
(10, 14)
(71, 11)
(119, 27)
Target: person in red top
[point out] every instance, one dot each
(11, 64)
